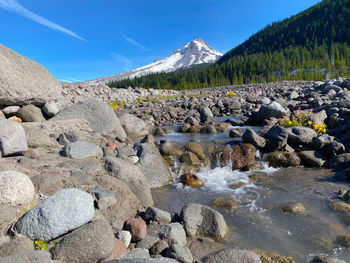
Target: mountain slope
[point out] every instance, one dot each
(312, 45)
(193, 53)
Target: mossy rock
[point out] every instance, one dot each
(293, 208)
(236, 186)
(189, 159)
(197, 149)
(185, 127)
(340, 206)
(273, 258)
(192, 180)
(168, 160)
(226, 203)
(344, 241)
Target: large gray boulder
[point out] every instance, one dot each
(23, 81)
(249, 136)
(134, 127)
(232, 256)
(153, 165)
(132, 176)
(58, 214)
(82, 150)
(15, 188)
(13, 138)
(300, 135)
(200, 220)
(101, 117)
(206, 114)
(274, 109)
(277, 138)
(38, 256)
(173, 233)
(90, 243)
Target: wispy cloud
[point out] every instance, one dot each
(120, 58)
(134, 42)
(14, 6)
(68, 79)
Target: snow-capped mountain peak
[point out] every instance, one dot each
(193, 53)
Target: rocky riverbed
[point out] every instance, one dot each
(90, 174)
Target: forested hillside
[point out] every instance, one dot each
(312, 45)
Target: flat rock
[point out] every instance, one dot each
(23, 81)
(101, 117)
(58, 214)
(15, 188)
(232, 256)
(92, 242)
(200, 220)
(300, 135)
(82, 150)
(13, 138)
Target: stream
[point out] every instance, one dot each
(258, 222)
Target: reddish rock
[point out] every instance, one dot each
(240, 155)
(118, 251)
(191, 180)
(111, 145)
(137, 227)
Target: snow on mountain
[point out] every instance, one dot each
(193, 53)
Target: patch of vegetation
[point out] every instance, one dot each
(115, 105)
(231, 94)
(40, 245)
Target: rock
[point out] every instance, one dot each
(235, 133)
(282, 159)
(181, 254)
(137, 227)
(273, 258)
(23, 81)
(13, 139)
(134, 127)
(100, 115)
(300, 135)
(145, 260)
(14, 118)
(148, 242)
(226, 203)
(242, 155)
(323, 259)
(124, 236)
(153, 165)
(209, 129)
(232, 255)
(11, 110)
(318, 118)
(274, 109)
(277, 138)
(39, 256)
(321, 141)
(2, 116)
(58, 214)
(16, 245)
(203, 220)
(197, 149)
(90, 243)
(293, 208)
(104, 199)
(190, 159)
(82, 150)
(340, 161)
(206, 114)
(8, 216)
(137, 253)
(15, 188)
(159, 247)
(344, 240)
(327, 88)
(249, 136)
(132, 176)
(192, 121)
(293, 95)
(156, 214)
(118, 252)
(340, 206)
(170, 149)
(30, 113)
(185, 127)
(191, 180)
(51, 108)
(173, 233)
(127, 203)
(312, 158)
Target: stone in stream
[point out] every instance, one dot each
(206, 115)
(58, 214)
(312, 158)
(197, 149)
(92, 242)
(190, 179)
(276, 137)
(242, 155)
(170, 149)
(340, 161)
(232, 255)
(235, 133)
(31, 113)
(200, 220)
(190, 159)
(15, 188)
(226, 203)
(13, 139)
(82, 150)
(325, 259)
(181, 254)
(282, 159)
(23, 81)
(293, 208)
(251, 137)
(101, 117)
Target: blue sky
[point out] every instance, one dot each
(85, 39)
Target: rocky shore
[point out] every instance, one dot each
(78, 163)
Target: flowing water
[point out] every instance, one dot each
(259, 223)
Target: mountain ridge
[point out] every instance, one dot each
(192, 53)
